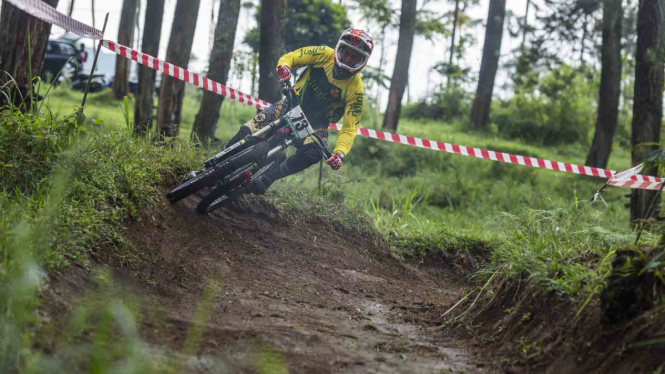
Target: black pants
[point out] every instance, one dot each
(307, 153)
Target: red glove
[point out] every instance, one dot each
(335, 161)
(284, 73)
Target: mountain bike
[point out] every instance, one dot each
(231, 172)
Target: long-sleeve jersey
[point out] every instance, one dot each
(323, 97)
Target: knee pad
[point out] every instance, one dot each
(305, 156)
(311, 152)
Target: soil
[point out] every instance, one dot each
(268, 290)
(322, 298)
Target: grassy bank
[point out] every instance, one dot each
(417, 193)
(68, 189)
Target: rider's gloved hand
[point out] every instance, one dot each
(335, 161)
(284, 73)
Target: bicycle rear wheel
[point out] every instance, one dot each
(218, 198)
(209, 177)
(223, 195)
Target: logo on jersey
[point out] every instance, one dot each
(334, 93)
(314, 51)
(260, 117)
(356, 108)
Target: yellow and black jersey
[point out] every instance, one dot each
(323, 97)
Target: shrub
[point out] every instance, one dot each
(560, 111)
(28, 147)
(446, 104)
(106, 175)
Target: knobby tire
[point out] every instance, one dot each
(214, 199)
(208, 177)
(253, 154)
(190, 187)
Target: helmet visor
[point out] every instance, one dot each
(350, 57)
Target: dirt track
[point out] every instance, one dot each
(328, 300)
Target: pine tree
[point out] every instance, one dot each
(15, 26)
(489, 64)
(407, 29)
(218, 70)
(125, 37)
(152, 35)
(172, 92)
(610, 85)
(271, 48)
(648, 99)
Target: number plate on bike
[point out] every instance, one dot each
(299, 123)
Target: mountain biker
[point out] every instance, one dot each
(329, 89)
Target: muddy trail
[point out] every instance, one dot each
(324, 299)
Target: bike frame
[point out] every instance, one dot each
(282, 122)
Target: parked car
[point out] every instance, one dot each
(57, 54)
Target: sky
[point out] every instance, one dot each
(425, 53)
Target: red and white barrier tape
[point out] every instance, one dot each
(47, 13)
(183, 74)
(635, 181)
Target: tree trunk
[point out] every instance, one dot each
(15, 25)
(382, 58)
(125, 37)
(152, 34)
(584, 36)
(648, 99)
(137, 26)
(610, 85)
(480, 112)
(172, 92)
(452, 42)
(271, 48)
(71, 8)
(407, 28)
(525, 25)
(205, 123)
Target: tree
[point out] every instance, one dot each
(178, 52)
(610, 85)
(489, 64)
(15, 26)
(271, 48)
(525, 25)
(648, 99)
(125, 37)
(218, 69)
(407, 29)
(152, 34)
(452, 38)
(301, 26)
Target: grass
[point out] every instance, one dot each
(417, 198)
(68, 187)
(102, 105)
